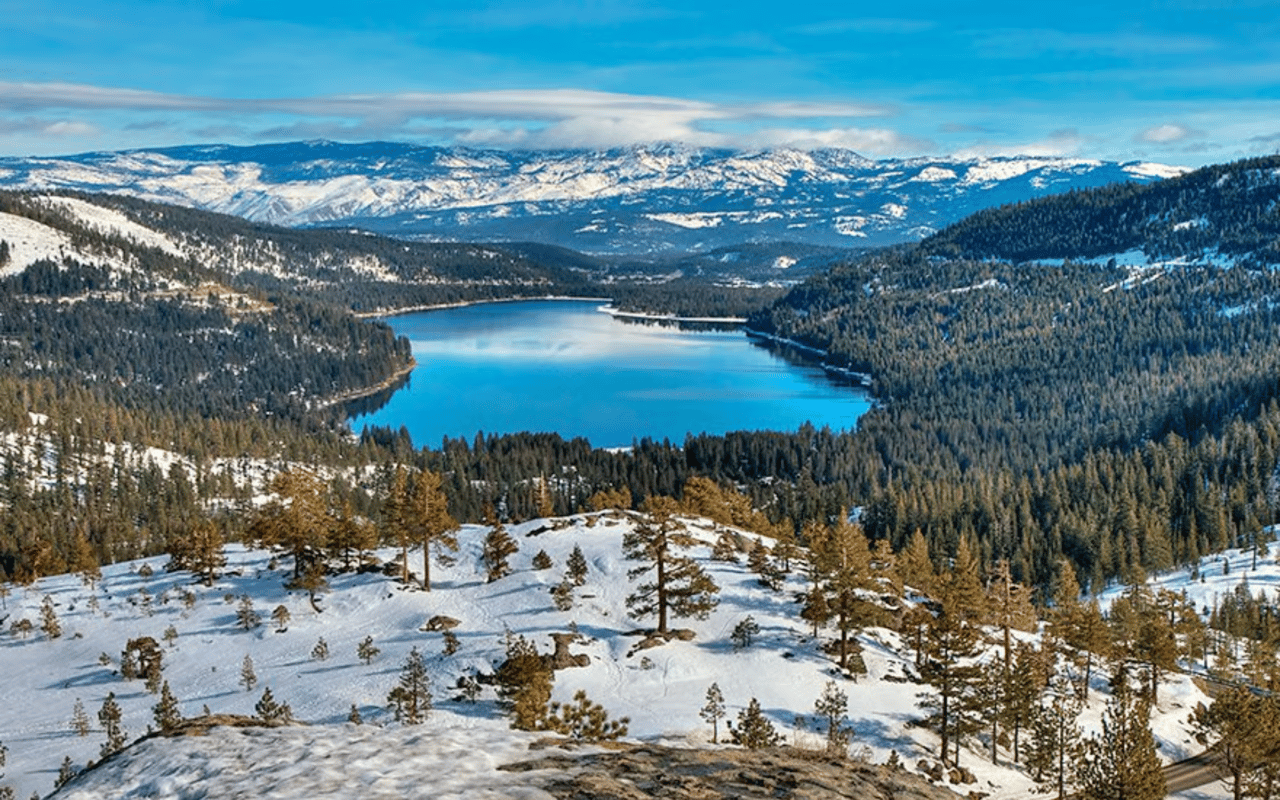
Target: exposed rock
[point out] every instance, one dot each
(561, 658)
(440, 623)
(652, 771)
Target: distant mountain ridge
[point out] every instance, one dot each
(635, 200)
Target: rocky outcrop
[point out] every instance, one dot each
(651, 771)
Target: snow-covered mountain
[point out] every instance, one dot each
(640, 199)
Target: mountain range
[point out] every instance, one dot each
(638, 200)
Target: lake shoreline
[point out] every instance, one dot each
(397, 312)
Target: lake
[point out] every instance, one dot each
(564, 366)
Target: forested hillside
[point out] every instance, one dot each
(1124, 416)
(1227, 210)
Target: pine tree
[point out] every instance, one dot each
(246, 617)
(832, 708)
(1235, 727)
(411, 697)
(524, 683)
(354, 717)
(949, 643)
(842, 557)
(268, 709)
(65, 773)
(744, 633)
(713, 711)
(498, 549)
(679, 585)
(562, 595)
(248, 678)
(109, 716)
(1121, 762)
(49, 619)
(576, 566)
(167, 714)
(300, 521)
(281, 617)
(1055, 747)
(429, 520)
(350, 537)
(917, 566)
(754, 731)
(79, 719)
(198, 549)
(541, 560)
(545, 507)
(584, 720)
(365, 650)
(321, 651)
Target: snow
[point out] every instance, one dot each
(934, 175)
(30, 241)
(457, 750)
(109, 220)
(1146, 169)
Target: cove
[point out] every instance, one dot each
(565, 367)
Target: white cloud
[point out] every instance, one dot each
(1065, 142)
(1163, 134)
(868, 141)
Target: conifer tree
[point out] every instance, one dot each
(354, 717)
(79, 719)
(744, 632)
(679, 585)
(281, 617)
(949, 643)
(411, 697)
(429, 520)
(268, 709)
(713, 710)
(246, 617)
(49, 619)
(350, 537)
(1021, 690)
(832, 707)
(198, 549)
(562, 595)
(1236, 728)
(366, 651)
(584, 720)
(65, 773)
(541, 560)
(754, 731)
(321, 651)
(842, 557)
(167, 714)
(248, 678)
(300, 521)
(498, 549)
(917, 565)
(545, 507)
(1055, 747)
(1121, 763)
(524, 683)
(576, 566)
(109, 717)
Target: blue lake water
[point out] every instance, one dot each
(564, 366)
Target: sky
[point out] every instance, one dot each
(1177, 81)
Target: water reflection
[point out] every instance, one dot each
(566, 367)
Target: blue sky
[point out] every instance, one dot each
(1178, 81)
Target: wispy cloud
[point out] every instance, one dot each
(1164, 134)
(47, 127)
(529, 118)
(1063, 142)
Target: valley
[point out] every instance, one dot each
(1063, 469)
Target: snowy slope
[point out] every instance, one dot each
(632, 199)
(660, 689)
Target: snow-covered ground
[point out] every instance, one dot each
(659, 689)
